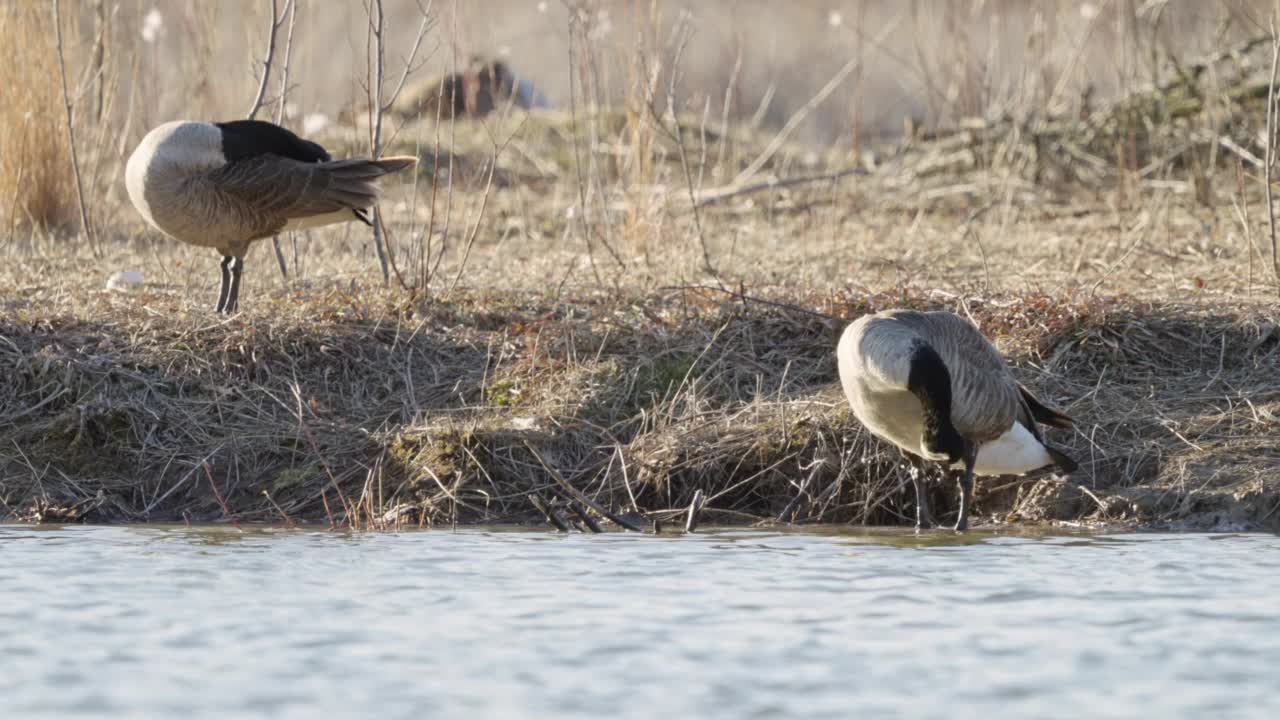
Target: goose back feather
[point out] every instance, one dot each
(225, 185)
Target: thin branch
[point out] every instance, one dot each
(685, 33)
(277, 19)
(374, 38)
(498, 149)
(1270, 160)
(292, 8)
(409, 67)
(85, 225)
(383, 107)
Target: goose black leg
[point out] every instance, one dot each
(966, 485)
(233, 295)
(917, 469)
(225, 288)
(924, 518)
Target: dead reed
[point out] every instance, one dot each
(36, 183)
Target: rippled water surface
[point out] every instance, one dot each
(153, 622)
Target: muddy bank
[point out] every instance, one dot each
(375, 409)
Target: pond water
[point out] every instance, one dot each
(194, 623)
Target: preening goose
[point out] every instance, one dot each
(224, 185)
(930, 383)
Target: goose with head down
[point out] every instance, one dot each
(225, 185)
(932, 385)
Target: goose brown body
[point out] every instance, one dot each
(226, 185)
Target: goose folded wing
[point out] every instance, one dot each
(270, 190)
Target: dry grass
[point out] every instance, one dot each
(649, 299)
(365, 407)
(36, 183)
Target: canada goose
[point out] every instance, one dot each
(930, 383)
(224, 185)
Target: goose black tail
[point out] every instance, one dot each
(1045, 415)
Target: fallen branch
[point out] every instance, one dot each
(788, 513)
(585, 516)
(553, 517)
(577, 495)
(720, 194)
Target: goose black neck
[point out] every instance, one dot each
(930, 381)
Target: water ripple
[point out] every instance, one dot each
(215, 622)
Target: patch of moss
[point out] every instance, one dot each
(503, 393)
(291, 479)
(663, 375)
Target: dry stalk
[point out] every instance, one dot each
(684, 33)
(378, 106)
(85, 225)
(373, 91)
(292, 9)
(276, 21)
(579, 16)
(1270, 161)
(497, 150)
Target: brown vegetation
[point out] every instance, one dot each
(643, 291)
(36, 184)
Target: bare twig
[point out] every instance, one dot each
(685, 33)
(100, 58)
(217, 495)
(1270, 160)
(277, 19)
(292, 8)
(498, 148)
(85, 225)
(283, 515)
(375, 46)
(378, 107)
(576, 19)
